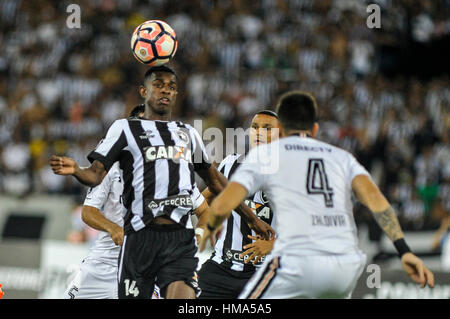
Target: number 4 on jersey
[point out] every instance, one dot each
(317, 181)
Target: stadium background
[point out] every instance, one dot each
(383, 94)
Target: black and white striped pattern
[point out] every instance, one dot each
(156, 176)
(234, 235)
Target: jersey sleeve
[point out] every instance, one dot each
(199, 156)
(229, 159)
(197, 198)
(97, 196)
(108, 150)
(355, 168)
(250, 173)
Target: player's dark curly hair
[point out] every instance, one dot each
(297, 110)
(160, 68)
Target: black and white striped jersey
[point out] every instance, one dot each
(234, 235)
(158, 160)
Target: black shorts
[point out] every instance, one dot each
(216, 282)
(158, 254)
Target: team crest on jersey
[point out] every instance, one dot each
(229, 255)
(183, 136)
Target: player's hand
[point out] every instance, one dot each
(262, 228)
(209, 236)
(117, 234)
(417, 271)
(198, 236)
(62, 165)
(258, 249)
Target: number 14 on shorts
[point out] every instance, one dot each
(131, 289)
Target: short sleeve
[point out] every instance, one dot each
(199, 155)
(250, 174)
(108, 150)
(355, 168)
(197, 198)
(97, 196)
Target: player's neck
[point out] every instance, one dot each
(157, 117)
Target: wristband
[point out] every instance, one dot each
(200, 232)
(402, 247)
(210, 228)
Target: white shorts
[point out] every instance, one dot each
(94, 280)
(289, 276)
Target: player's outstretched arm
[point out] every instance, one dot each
(370, 195)
(90, 176)
(216, 183)
(208, 195)
(95, 219)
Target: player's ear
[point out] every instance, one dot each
(315, 129)
(143, 91)
(279, 129)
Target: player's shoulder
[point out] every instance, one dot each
(181, 124)
(342, 155)
(119, 124)
(315, 144)
(186, 126)
(115, 169)
(231, 158)
(121, 121)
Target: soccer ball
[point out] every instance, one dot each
(154, 43)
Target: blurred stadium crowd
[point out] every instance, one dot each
(61, 88)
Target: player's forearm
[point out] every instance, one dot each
(90, 176)
(215, 181)
(388, 221)
(208, 195)
(202, 215)
(227, 201)
(246, 212)
(370, 195)
(92, 217)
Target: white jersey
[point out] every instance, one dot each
(308, 183)
(107, 197)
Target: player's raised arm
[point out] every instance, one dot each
(102, 158)
(370, 195)
(89, 176)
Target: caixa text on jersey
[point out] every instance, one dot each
(175, 153)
